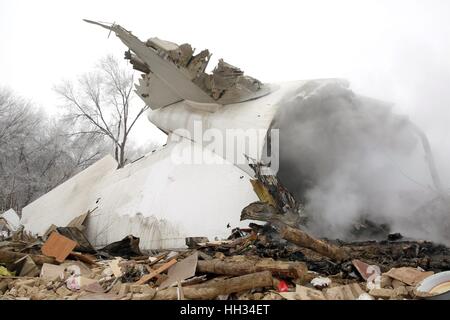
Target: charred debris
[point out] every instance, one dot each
(275, 260)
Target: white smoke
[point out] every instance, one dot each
(349, 157)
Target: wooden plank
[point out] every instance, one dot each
(303, 239)
(161, 269)
(220, 287)
(150, 270)
(280, 268)
(58, 246)
(141, 258)
(159, 258)
(87, 258)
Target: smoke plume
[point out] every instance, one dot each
(352, 161)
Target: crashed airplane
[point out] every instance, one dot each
(162, 198)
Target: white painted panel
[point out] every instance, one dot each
(67, 201)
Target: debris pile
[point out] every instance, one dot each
(277, 260)
(229, 269)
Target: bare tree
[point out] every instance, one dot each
(37, 153)
(15, 118)
(102, 100)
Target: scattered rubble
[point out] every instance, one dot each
(231, 270)
(277, 260)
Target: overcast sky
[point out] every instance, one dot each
(391, 50)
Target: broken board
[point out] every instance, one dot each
(58, 246)
(181, 271)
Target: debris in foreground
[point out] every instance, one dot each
(277, 260)
(245, 268)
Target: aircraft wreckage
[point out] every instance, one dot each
(156, 198)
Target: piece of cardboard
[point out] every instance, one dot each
(183, 270)
(408, 275)
(58, 246)
(52, 272)
(346, 292)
